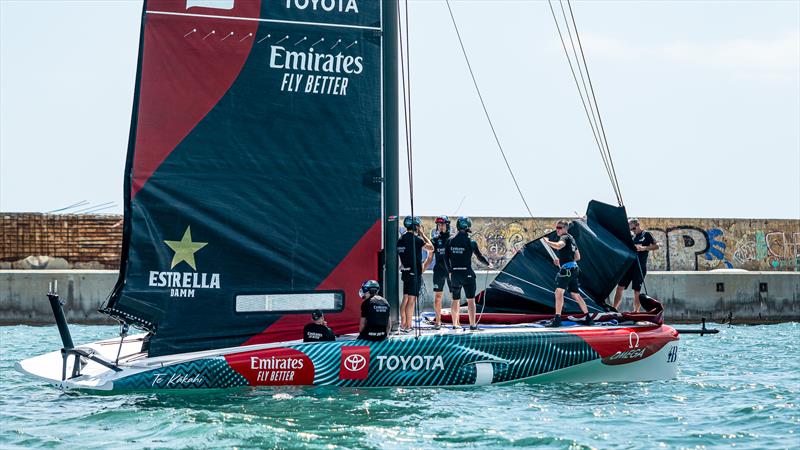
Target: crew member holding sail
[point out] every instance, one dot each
(440, 237)
(318, 329)
(409, 249)
(567, 278)
(644, 243)
(376, 322)
(458, 255)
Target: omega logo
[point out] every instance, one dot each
(633, 343)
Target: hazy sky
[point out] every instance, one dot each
(700, 101)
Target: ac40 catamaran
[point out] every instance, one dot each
(255, 121)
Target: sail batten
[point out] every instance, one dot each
(258, 124)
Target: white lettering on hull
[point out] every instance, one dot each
(416, 362)
(273, 363)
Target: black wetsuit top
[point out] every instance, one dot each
(459, 253)
(410, 258)
(567, 252)
(315, 332)
(646, 239)
(440, 241)
(376, 311)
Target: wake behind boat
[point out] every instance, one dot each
(254, 118)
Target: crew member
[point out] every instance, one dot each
(644, 243)
(318, 329)
(440, 237)
(458, 255)
(376, 323)
(409, 249)
(567, 277)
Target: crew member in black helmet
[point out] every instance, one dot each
(440, 237)
(409, 249)
(458, 255)
(567, 278)
(318, 330)
(376, 322)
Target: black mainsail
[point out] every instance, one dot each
(254, 171)
(527, 283)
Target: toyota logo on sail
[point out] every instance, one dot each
(355, 362)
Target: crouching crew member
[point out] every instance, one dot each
(318, 330)
(458, 254)
(440, 237)
(409, 249)
(376, 322)
(567, 277)
(644, 242)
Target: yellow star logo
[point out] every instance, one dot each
(184, 249)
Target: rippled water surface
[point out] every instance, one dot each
(740, 389)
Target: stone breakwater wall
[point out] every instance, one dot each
(60, 241)
(686, 244)
(688, 296)
(48, 241)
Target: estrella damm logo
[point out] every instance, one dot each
(184, 284)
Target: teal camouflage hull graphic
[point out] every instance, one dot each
(433, 360)
(208, 373)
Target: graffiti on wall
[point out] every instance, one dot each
(780, 250)
(686, 244)
(684, 247)
(499, 240)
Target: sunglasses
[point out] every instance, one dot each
(559, 228)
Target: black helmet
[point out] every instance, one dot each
(369, 286)
(411, 222)
(464, 223)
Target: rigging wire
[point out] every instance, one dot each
(406, 113)
(496, 139)
(485, 109)
(600, 118)
(587, 94)
(592, 109)
(405, 70)
(595, 133)
(417, 307)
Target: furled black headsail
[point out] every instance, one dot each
(253, 175)
(527, 283)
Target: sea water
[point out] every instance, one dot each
(737, 389)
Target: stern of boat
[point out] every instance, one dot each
(95, 364)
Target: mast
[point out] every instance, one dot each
(391, 164)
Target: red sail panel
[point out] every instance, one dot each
(184, 77)
(359, 265)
